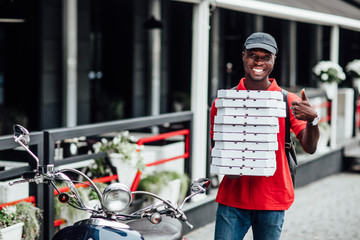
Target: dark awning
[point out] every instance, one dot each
(323, 12)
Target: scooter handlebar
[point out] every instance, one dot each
(12, 183)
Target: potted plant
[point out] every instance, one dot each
(170, 185)
(330, 74)
(10, 227)
(353, 71)
(124, 155)
(20, 219)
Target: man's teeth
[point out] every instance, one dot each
(258, 70)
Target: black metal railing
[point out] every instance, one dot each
(9, 152)
(46, 141)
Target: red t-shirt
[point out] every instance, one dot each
(257, 192)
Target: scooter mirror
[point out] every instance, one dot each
(21, 134)
(200, 185)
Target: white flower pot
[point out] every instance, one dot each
(171, 191)
(14, 232)
(162, 152)
(126, 171)
(324, 138)
(356, 84)
(330, 89)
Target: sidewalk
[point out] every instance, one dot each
(327, 209)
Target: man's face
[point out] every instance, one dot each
(258, 64)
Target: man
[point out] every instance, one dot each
(256, 201)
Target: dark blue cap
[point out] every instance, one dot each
(261, 40)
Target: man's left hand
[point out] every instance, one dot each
(302, 110)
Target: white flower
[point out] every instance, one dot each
(96, 146)
(324, 77)
(341, 75)
(10, 210)
(327, 71)
(116, 140)
(124, 145)
(139, 147)
(353, 68)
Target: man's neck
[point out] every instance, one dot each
(257, 85)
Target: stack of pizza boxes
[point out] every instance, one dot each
(245, 132)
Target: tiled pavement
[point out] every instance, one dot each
(327, 209)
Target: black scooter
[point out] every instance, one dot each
(161, 220)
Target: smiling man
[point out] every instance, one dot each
(258, 201)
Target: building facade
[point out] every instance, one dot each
(73, 62)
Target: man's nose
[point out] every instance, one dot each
(259, 60)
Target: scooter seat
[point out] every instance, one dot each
(168, 229)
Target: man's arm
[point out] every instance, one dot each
(309, 136)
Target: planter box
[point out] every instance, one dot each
(166, 151)
(345, 115)
(16, 192)
(172, 191)
(13, 232)
(126, 172)
(13, 193)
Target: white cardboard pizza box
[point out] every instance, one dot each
(264, 146)
(246, 137)
(246, 120)
(255, 94)
(236, 162)
(261, 112)
(242, 171)
(235, 128)
(234, 137)
(215, 152)
(249, 103)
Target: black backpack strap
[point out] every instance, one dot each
(289, 148)
(288, 142)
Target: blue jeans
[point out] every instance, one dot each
(233, 223)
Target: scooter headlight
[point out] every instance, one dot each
(116, 197)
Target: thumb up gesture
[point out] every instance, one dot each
(303, 95)
(302, 110)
